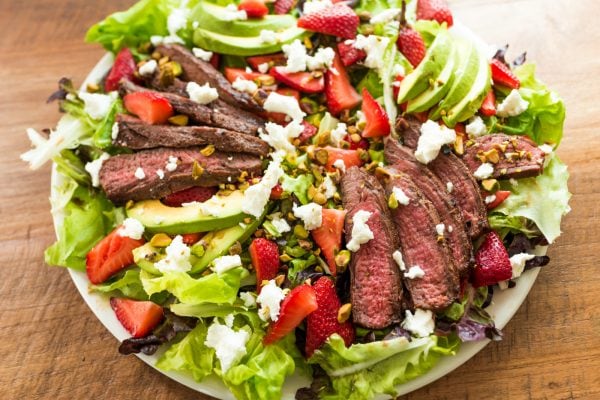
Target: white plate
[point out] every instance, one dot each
(505, 304)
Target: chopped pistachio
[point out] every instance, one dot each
(305, 244)
(160, 240)
(93, 87)
(163, 60)
(311, 192)
(344, 313)
(156, 55)
(144, 47)
(364, 155)
(259, 233)
(320, 198)
(179, 120)
(342, 259)
(355, 137)
(490, 185)
(321, 155)
(459, 147)
(175, 68)
(279, 279)
(198, 249)
(284, 258)
(265, 80)
(129, 204)
(247, 220)
(392, 201)
(197, 170)
(235, 248)
(300, 231)
(208, 150)
(307, 43)
(492, 156)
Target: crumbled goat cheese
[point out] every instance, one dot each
(257, 196)
(263, 68)
(311, 215)
(131, 228)
(328, 187)
(229, 345)
(546, 148)
(315, 6)
(295, 53)
(414, 272)
(267, 36)
(284, 104)
(361, 233)
(279, 223)
(225, 263)
(400, 196)
(518, 261)
(476, 127)
(375, 47)
(171, 164)
(449, 186)
(512, 105)
(93, 168)
(149, 68)
(177, 257)
(450, 228)
(201, 94)
(279, 137)
(202, 54)
(248, 299)
(323, 59)
(420, 324)
(229, 320)
(484, 171)
(339, 164)
(244, 85)
(439, 229)
(139, 173)
(337, 135)
(398, 69)
(177, 20)
(490, 199)
(160, 173)
(114, 131)
(385, 16)
(270, 299)
(361, 118)
(397, 256)
(97, 105)
(233, 14)
(433, 137)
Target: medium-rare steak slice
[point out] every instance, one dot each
(512, 156)
(403, 160)
(137, 135)
(375, 283)
(155, 173)
(416, 225)
(197, 70)
(409, 129)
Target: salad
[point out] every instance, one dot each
(330, 189)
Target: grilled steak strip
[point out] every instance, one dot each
(117, 175)
(403, 160)
(409, 129)
(375, 283)
(137, 135)
(197, 70)
(512, 156)
(415, 223)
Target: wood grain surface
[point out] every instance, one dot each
(52, 346)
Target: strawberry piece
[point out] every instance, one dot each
(254, 8)
(339, 92)
(378, 123)
(349, 54)
(434, 10)
(396, 85)
(138, 317)
(189, 195)
(123, 68)
(191, 238)
(150, 107)
(501, 195)
(323, 322)
(296, 306)
(233, 73)
(306, 82)
(272, 60)
(493, 263)
(488, 107)
(411, 45)
(336, 20)
(349, 157)
(361, 144)
(309, 131)
(110, 255)
(265, 260)
(502, 75)
(215, 60)
(283, 6)
(329, 235)
(276, 192)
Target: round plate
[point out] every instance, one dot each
(504, 306)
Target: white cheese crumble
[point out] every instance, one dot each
(177, 257)
(337, 135)
(361, 233)
(323, 59)
(263, 68)
(131, 228)
(267, 36)
(160, 173)
(139, 173)
(114, 131)
(279, 223)
(476, 127)
(546, 148)
(315, 6)
(433, 137)
(202, 54)
(97, 105)
(385, 16)
(490, 199)
(450, 228)
(279, 137)
(149, 68)
(518, 261)
(244, 85)
(177, 20)
(512, 105)
(439, 229)
(420, 323)
(93, 168)
(201, 94)
(484, 171)
(340, 164)
(171, 164)
(233, 14)
(375, 47)
(328, 187)
(257, 196)
(284, 104)
(225, 263)
(400, 196)
(449, 186)
(397, 256)
(414, 272)
(270, 300)
(229, 345)
(248, 299)
(295, 53)
(311, 215)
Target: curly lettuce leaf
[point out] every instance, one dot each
(298, 186)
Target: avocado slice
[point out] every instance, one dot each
(245, 45)
(145, 256)
(220, 211)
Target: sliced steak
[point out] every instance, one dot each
(375, 283)
(409, 129)
(137, 135)
(197, 70)
(512, 156)
(416, 225)
(119, 181)
(403, 160)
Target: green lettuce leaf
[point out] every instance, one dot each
(128, 284)
(298, 186)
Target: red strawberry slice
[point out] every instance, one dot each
(309, 131)
(123, 68)
(189, 195)
(378, 123)
(361, 144)
(296, 306)
(138, 317)
(265, 260)
(272, 60)
(191, 238)
(411, 45)
(434, 10)
(306, 82)
(349, 157)
(349, 54)
(493, 263)
(323, 322)
(501, 195)
(336, 20)
(339, 92)
(488, 107)
(329, 235)
(232, 74)
(109, 256)
(283, 6)
(253, 8)
(502, 75)
(150, 107)
(396, 86)
(276, 192)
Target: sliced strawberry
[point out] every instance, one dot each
(150, 107)
(329, 235)
(109, 256)
(276, 192)
(396, 85)
(296, 306)
(309, 131)
(378, 123)
(501, 195)
(488, 107)
(411, 45)
(349, 157)
(265, 260)
(215, 60)
(323, 322)
(336, 20)
(123, 68)
(191, 238)
(434, 10)
(502, 75)
(138, 317)
(349, 54)
(253, 8)
(306, 82)
(189, 195)
(283, 6)
(361, 144)
(284, 91)
(492, 262)
(233, 73)
(339, 92)
(272, 60)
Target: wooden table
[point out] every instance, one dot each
(52, 346)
